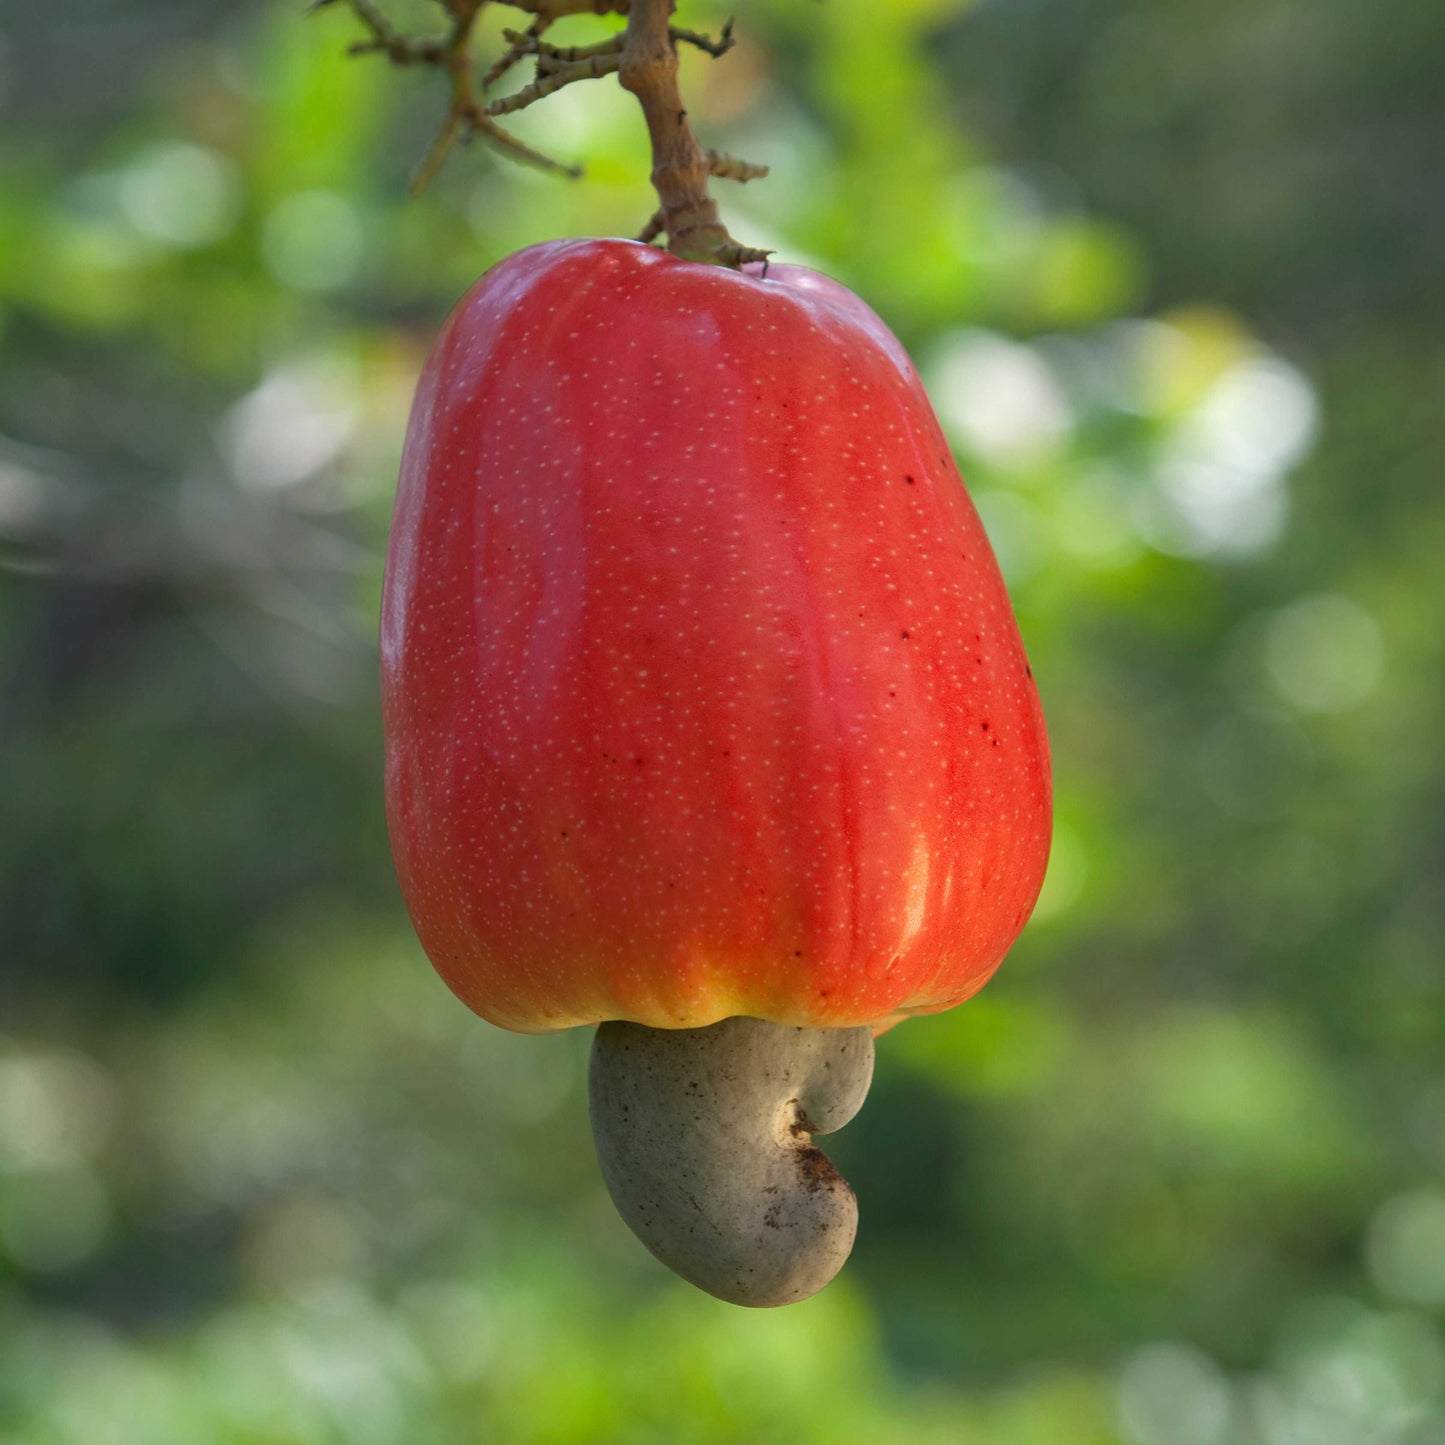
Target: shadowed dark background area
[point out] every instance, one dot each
(1172, 272)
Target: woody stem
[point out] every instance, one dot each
(680, 166)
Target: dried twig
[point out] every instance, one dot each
(680, 166)
(730, 168)
(716, 48)
(466, 115)
(521, 44)
(726, 167)
(643, 56)
(604, 62)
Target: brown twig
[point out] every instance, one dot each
(466, 115)
(730, 168)
(727, 167)
(716, 48)
(387, 40)
(560, 9)
(521, 44)
(644, 58)
(528, 42)
(549, 57)
(680, 166)
(604, 62)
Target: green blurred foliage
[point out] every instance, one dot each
(1177, 1177)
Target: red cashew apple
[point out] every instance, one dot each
(707, 720)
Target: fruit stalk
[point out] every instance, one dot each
(680, 166)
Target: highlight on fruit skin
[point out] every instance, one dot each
(703, 696)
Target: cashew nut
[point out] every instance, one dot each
(705, 1141)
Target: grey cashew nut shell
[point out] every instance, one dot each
(704, 1137)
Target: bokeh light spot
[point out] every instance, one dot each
(181, 194)
(1171, 1394)
(313, 241)
(1405, 1246)
(998, 398)
(1323, 653)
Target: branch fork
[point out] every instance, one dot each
(644, 58)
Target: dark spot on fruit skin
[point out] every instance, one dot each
(1028, 671)
(904, 636)
(984, 726)
(909, 480)
(815, 1170)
